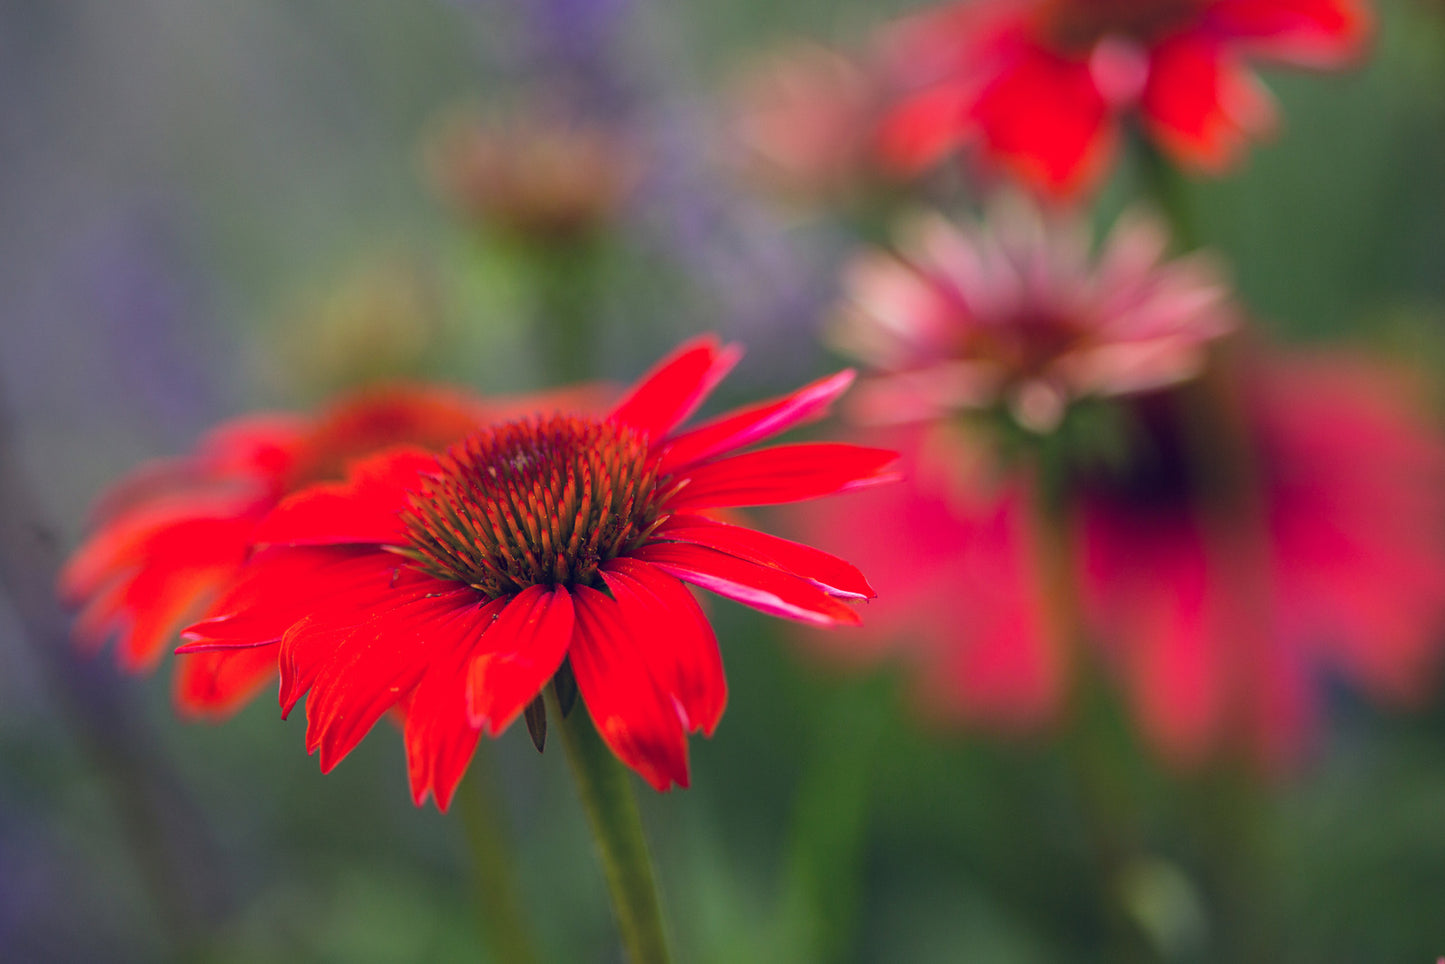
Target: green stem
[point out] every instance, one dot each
(564, 276)
(605, 787)
(1168, 189)
(499, 908)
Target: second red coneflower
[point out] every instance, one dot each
(456, 587)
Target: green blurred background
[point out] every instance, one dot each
(204, 206)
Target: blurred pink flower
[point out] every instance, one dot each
(1017, 310)
(1045, 84)
(1220, 596)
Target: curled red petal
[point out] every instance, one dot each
(827, 572)
(784, 473)
(366, 507)
(674, 638)
(676, 386)
(754, 423)
(760, 587)
(523, 647)
(635, 718)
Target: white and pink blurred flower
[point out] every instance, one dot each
(1019, 310)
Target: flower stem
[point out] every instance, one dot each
(606, 791)
(1166, 187)
(499, 908)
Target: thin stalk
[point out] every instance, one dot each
(605, 787)
(499, 907)
(1166, 187)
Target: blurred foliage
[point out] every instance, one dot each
(271, 150)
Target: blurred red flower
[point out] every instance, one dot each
(176, 532)
(455, 587)
(1044, 84)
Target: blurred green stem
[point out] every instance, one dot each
(1163, 184)
(564, 278)
(825, 857)
(605, 788)
(1094, 766)
(499, 908)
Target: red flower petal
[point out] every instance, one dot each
(376, 663)
(676, 386)
(364, 508)
(785, 473)
(760, 587)
(1309, 33)
(310, 643)
(635, 718)
(1200, 103)
(675, 639)
(146, 572)
(280, 586)
(754, 423)
(925, 127)
(1046, 119)
(216, 684)
(440, 739)
(827, 572)
(520, 652)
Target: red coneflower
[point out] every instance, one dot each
(1044, 84)
(456, 587)
(176, 532)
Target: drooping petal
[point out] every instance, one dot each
(522, 649)
(364, 508)
(1307, 33)
(760, 587)
(676, 386)
(755, 423)
(1201, 103)
(634, 717)
(213, 685)
(674, 637)
(1044, 118)
(784, 473)
(313, 641)
(440, 738)
(375, 664)
(827, 572)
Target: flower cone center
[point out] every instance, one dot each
(536, 503)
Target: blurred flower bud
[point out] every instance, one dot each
(532, 177)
